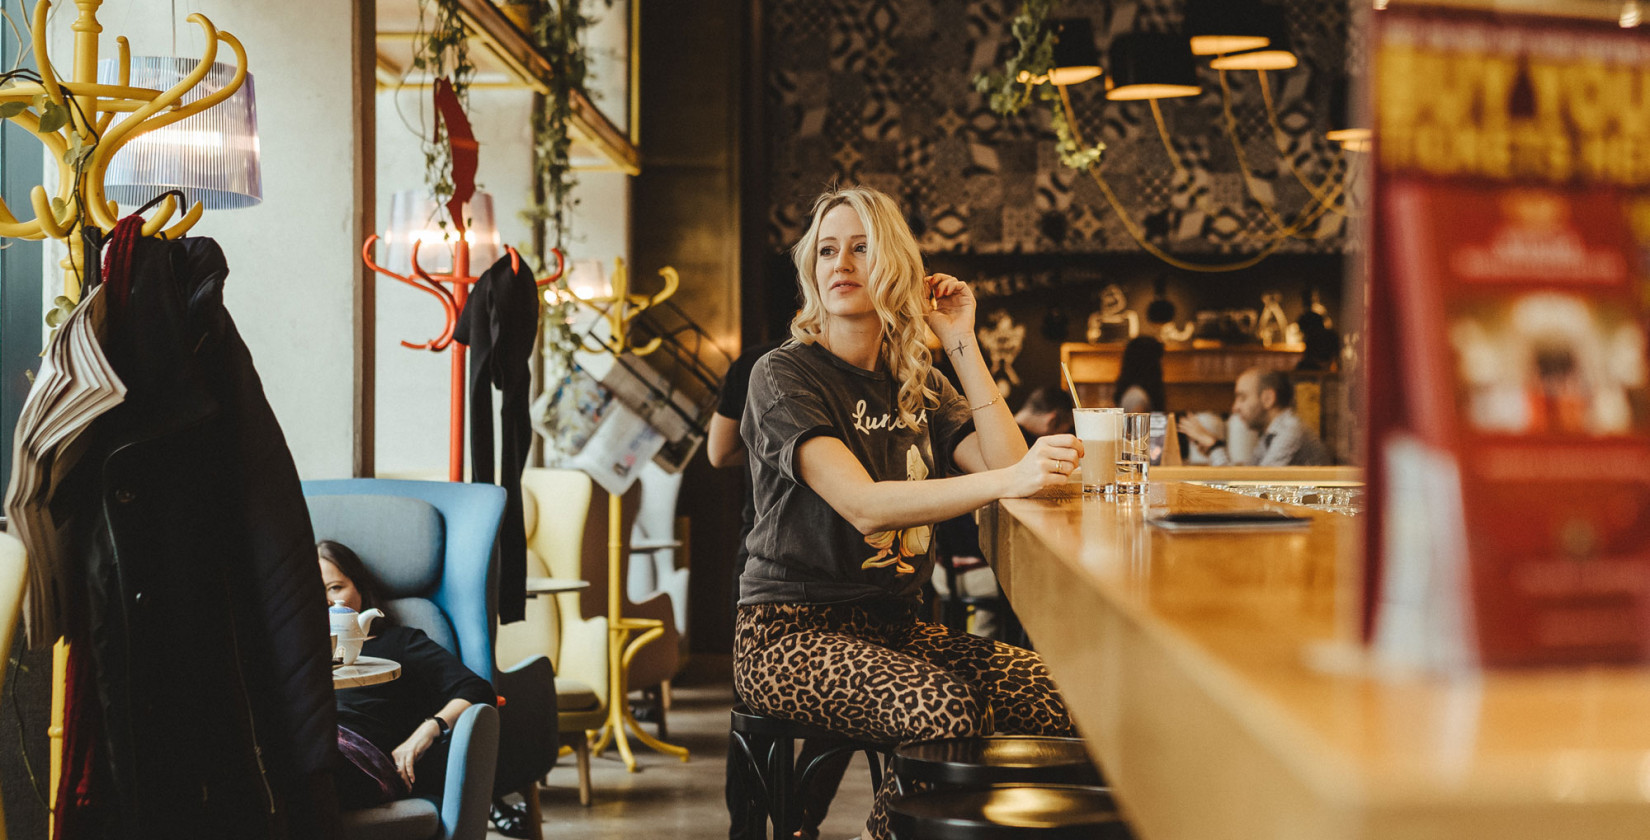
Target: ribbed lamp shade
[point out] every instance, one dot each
(212, 156)
(1150, 65)
(416, 216)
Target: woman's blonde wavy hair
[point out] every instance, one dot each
(895, 286)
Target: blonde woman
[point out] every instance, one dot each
(857, 446)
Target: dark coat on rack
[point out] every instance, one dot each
(203, 607)
(500, 325)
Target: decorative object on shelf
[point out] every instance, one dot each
(1113, 321)
(1002, 342)
(1161, 312)
(1273, 325)
(77, 122)
(1147, 65)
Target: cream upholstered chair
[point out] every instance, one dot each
(556, 504)
(13, 565)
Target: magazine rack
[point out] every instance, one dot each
(656, 371)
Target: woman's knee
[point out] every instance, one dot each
(956, 709)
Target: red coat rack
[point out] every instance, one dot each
(452, 303)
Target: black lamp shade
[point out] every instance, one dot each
(1151, 65)
(1342, 128)
(1075, 57)
(1276, 55)
(1216, 27)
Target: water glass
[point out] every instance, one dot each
(1098, 429)
(1134, 453)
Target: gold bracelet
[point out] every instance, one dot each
(988, 403)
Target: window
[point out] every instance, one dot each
(21, 290)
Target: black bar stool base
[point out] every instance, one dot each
(770, 777)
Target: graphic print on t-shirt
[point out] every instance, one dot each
(894, 546)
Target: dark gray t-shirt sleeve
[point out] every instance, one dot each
(784, 409)
(948, 425)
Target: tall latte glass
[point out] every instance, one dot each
(1098, 429)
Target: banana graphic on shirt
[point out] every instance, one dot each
(894, 546)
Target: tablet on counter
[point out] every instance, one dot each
(1230, 520)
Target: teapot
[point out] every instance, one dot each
(351, 629)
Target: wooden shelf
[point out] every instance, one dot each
(510, 60)
(1196, 379)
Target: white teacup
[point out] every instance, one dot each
(350, 647)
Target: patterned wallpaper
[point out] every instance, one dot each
(879, 92)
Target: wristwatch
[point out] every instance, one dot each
(442, 729)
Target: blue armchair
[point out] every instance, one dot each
(430, 544)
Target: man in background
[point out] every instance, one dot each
(1265, 401)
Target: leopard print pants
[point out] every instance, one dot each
(879, 673)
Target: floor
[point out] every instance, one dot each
(666, 798)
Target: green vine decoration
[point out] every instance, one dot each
(560, 36)
(442, 50)
(1024, 77)
(559, 33)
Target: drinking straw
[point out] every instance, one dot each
(1071, 385)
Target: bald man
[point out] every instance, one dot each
(1265, 401)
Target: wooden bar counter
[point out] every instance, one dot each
(1202, 670)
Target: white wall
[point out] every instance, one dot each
(292, 257)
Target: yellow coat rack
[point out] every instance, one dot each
(619, 308)
(94, 131)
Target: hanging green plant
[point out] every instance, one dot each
(560, 36)
(1025, 77)
(441, 49)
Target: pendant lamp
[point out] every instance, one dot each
(212, 156)
(1276, 55)
(1342, 128)
(1217, 27)
(415, 216)
(1075, 58)
(1150, 65)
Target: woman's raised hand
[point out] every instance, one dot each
(951, 316)
(1050, 461)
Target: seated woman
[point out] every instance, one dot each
(1140, 377)
(838, 421)
(392, 737)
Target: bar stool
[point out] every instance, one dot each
(992, 760)
(1008, 812)
(773, 784)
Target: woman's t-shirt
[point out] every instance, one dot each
(386, 714)
(801, 550)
